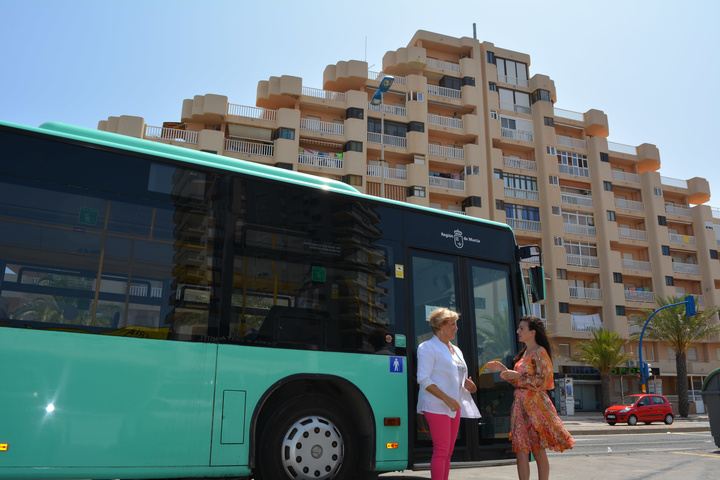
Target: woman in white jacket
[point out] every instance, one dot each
(445, 389)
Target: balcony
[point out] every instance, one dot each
(629, 204)
(323, 127)
(625, 176)
(622, 148)
(575, 229)
(582, 260)
(570, 142)
(673, 182)
(449, 183)
(249, 147)
(389, 109)
(389, 140)
(681, 210)
(444, 92)
(172, 134)
(586, 323)
(440, 65)
(520, 82)
(681, 239)
(515, 108)
(520, 224)
(443, 121)
(521, 193)
(517, 134)
(574, 199)
(639, 296)
(586, 293)
(449, 152)
(577, 116)
(628, 264)
(391, 173)
(324, 94)
(519, 163)
(632, 234)
(252, 112)
(686, 268)
(379, 76)
(573, 170)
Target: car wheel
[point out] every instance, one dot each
(668, 419)
(308, 438)
(632, 420)
(612, 423)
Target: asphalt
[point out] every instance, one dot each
(594, 424)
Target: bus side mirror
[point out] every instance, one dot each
(537, 283)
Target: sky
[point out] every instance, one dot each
(644, 63)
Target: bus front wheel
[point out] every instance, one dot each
(308, 438)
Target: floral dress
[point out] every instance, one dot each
(534, 420)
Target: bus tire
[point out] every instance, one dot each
(308, 438)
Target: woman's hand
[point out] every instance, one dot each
(470, 385)
(509, 375)
(496, 366)
(452, 404)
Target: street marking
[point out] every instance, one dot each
(697, 454)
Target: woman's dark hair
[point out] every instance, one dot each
(541, 338)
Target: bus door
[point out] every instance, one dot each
(481, 293)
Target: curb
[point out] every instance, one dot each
(634, 430)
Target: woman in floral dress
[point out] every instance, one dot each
(535, 425)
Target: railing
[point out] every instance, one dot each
(249, 147)
(444, 92)
(699, 298)
(674, 209)
(586, 293)
(324, 127)
(689, 268)
(629, 204)
(573, 170)
(520, 82)
(142, 291)
(389, 140)
(450, 152)
(625, 176)
(639, 296)
(673, 182)
(521, 193)
(573, 199)
(252, 112)
(515, 108)
(576, 229)
(439, 64)
(586, 326)
(558, 112)
(391, 109)
(325, 94)
(520, 224)
(443, 121)
(636, 265)
(582, 260)
(517, 134)
(449, 183)
(392, 173)
(320, 161)
(632, 234)
(715, 212)
(379, 75)
(682, 239)
(570, 142)
(622, 148)
(523, 164)
(172, 134)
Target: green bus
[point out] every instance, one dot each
(170, 313)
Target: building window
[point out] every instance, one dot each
(353, 146)
(282, 132)
(469, 81)
(559, 241)
(549, 121)
(564, 350)
(665, 250)
(512, 72)
(562, 274)
(491, 57)
(692, 354)
(607, 186)
(669, 281)
(554, 180)
(550, 150)
(617, 277)
(416, 126)
(452, 83)
(471, 202)
(604, 157)
(493, 87)
(620, 310)
(415, 96)
(520, 182)
(354, 112)
(610, 216)
(714, 254)
(657, 192)
(494, 114)
(395, 129)
(564, 307)
(515, 101)
(354, 180)
(671, 354)
(541, 95)
(662, 221)
(498, 174)
(522, 212)
(499, 205)
(416, 191)
(555, 210)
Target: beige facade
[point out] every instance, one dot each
(468, 129)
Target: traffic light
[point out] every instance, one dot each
(647, 371)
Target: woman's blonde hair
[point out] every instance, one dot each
(440, 316)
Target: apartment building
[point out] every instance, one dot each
(468, 129)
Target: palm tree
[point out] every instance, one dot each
(604, 352)
(674, 328)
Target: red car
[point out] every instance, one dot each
(641, 408)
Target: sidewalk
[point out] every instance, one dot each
(594, 424)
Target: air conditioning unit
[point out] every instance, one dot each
(632, 363)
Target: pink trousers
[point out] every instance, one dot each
(443, 431)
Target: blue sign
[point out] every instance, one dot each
(396, 365)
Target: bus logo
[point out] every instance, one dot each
(458, 238)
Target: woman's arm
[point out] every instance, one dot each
(452, 404)
(538, 370)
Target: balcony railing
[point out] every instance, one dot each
(570, 142)
(639, 296)
(586, 293)
(579, 324)
(574, 199)
(450, 152)
(379, 75)
(629, 204)
(249, 147)
(573, 170)
(517, 134)
(391, 173)
(325, 94)
(636, 265)
(172, 134)
(632, 234)
(625, 176)
(320, 161)
(252, 112)
(582, 260)
(324, 127)
(622, 148)
(520, 82)
(452, 67)
(576, 229)
(389, 140)
(521, 193)
(699, 299)
(449, 183)
(520, 224)
(444, 92)
(674, 209)
(390, 109)
(688, 268)
(515, 108)
(444, 121)
(519, 163)
(682, 239)
(673, 182)
(569, 114)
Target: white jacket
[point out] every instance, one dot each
(436, 367)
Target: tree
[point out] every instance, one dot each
(680, 332)
(604, 352)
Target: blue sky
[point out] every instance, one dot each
(652, 66)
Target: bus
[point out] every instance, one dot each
(171, 313)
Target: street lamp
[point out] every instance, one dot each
(689, 303)
(379, 99)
